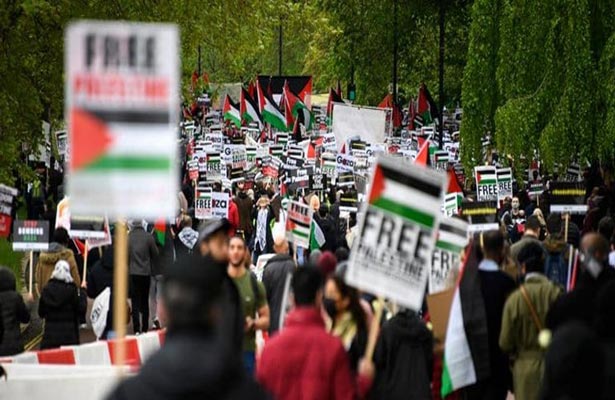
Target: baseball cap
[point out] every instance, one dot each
(209, 227)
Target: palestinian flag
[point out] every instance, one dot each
(334, 97)
(452, 203)
(452, 235)
(411, 114)
(466, 348)
(297, 108)
(160, 227)
(426, 107)
(250, 153)
(485, 175)
(422, 158)
(410, 196)
(272, 114)
(249, 108)
(453, 182)
(298, 223)
(388, 102)
(230, 111)
(281, 138)
(317, 238)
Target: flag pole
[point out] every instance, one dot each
(85, 261)
(374, 330)
(31, 271)
(120, 292)
(566, 222)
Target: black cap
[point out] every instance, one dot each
(212, 226)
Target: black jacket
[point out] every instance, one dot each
(101, 277)
(60, 305)
(268, 233)
(190, 366)
(244, 207)
(274, 279)
(166, 252)
(403, 359)
(12, 312)
(329, 229)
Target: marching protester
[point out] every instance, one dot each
(60, 305)
(164, 238)
(523, 321)
(277, 270)
(58, 250)
(303, 360)
(594, 274)
(142, 252)
(347, 317)
(262, 236)
(254, 304)
(13, 311)
(101, 277)
(405, 348)
(557, 255)
(495, 287)
(531, 234)
(186, 239)
(192, 364)
(244, 209)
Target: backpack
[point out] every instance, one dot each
(556, 267)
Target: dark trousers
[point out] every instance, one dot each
(140, 302)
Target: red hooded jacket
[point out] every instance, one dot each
(305, 362)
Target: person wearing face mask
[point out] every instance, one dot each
(348, 321)
(594, 274)
(305, 362)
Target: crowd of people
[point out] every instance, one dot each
(235, 332)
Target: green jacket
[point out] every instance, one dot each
(519, 334)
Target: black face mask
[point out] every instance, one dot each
(329, 305)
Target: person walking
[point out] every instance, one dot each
(262, 238)
(60, 305)
(523, 320)
(348, 321)
(304, 361)
(495, 286)
(244, 208)
(254, 299)
(101, 277)
(277, 270)
(404, 349)
(186, 238)
(58, 250)
(193, 363)
(13, 311)
(530, 235)
(142, 251)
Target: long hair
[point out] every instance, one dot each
(354, 306)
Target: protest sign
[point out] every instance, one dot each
(345, 163)
(86, 227)
(392, 255)
(481, 215)
(350, 121)
(318, 182)
(121, 108)
(298, 222)
(504, 176)
(7, 197)
(535, 189)
(440, 160)
(345, 179)
(568, 197)
(452, 203)
(451, 240)
(208, 204)
(62, 143)
(193, 169)
(486, 183)
(30, 235)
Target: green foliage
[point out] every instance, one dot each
(11, 259)
(554, 80)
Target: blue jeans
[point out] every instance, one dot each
(249, 362)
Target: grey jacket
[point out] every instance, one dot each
(142, 251)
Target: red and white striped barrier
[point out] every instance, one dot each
(101, 353)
